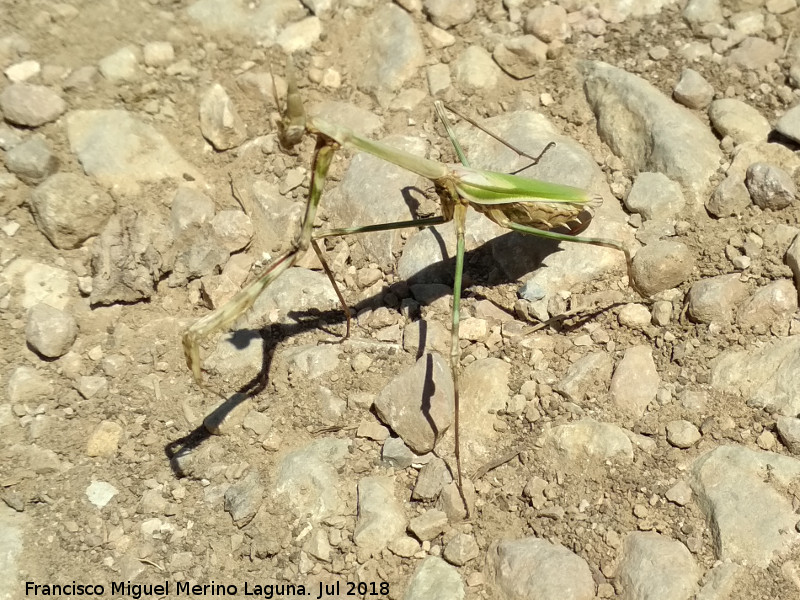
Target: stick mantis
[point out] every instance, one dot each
(549, 210)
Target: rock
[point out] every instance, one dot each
(438, 76)
(69, 209)
(682, 434)
(312, 361)
(772, 303)
(26, 384)
(680, 493)
(699, 12)
(588, 441)
(30, 105)
(100, 493)
(635, 381)
(721, 582)
(290, 298)
(434, 579)
(754, 53)
(23, 71)
(244, 498)
(461, 549)
(752, 518)
(41, 283)
(158, 54)
(770, 186)
(521, 57)
(404, 546)
(588, 374)
(657, 141)
(661, 266)
(536, 568)
(789, 433)
(730, 198)
(548, 23)
(50, 331)
(104, 440)
(715, 299)
(738, 120)
(655, 196)
(449, 13)
(393, 51)
(301, 35)
(635, 316)
(119, 149)
(220, 123)
(121, 66)
(309, 480)
(380, 515)
(418, 404)
(767, 377)
(432, 478)
(400, 456)
(474, 70)
(654, 566)
(792, 259)
(428, 525)
(484, 390)
(31, 160)
(692, 90)
(261, 21)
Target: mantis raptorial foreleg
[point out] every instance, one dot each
(548, 210)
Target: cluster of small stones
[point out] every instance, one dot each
(379, 501)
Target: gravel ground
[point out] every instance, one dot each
(620, 439)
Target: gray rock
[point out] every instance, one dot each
(484, 390)
(714, 300)
(431, 479)
(122, 65)
(32, 160)
(190, 209)
(788, 432)
(654, 566)
(290, 297)
(635, 381)
(50, 331)
(638, 122)
(692, 90)
(220, 124)
(438, 77)
(738, 120)
(792, 259)
(521, 57)
(398, 455)
(461, 549)
(418, 404)
(428, 525)
(730, 198)
(301, 35)
(380, 515)
(475, 70)
(770, 186)
(789, 124)
(244, 498)
(393, 51)
(434, 579)
(158, 54)
(767, 377)
(548, 23)
(772, 303)
(699, 12)
(262, 21)
(9, 137)
(30, 105)
(635, 316)
(589, 374)
(661, 266)
(100, 493)
(754, 53)
(312, 361)
(680, 493)
(117, 148)
(587, 441)
(275, 217)
(309, 480)
(449, 13)
(751, 517)
(536, 568)
(69, 209)
(655, 196)
(347, 115)
(368, 178)
(682, 434)
(41, 283)
(26, 384)
(721, 582)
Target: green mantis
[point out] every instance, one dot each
(548, 210)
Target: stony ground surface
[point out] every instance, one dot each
(640, 444)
